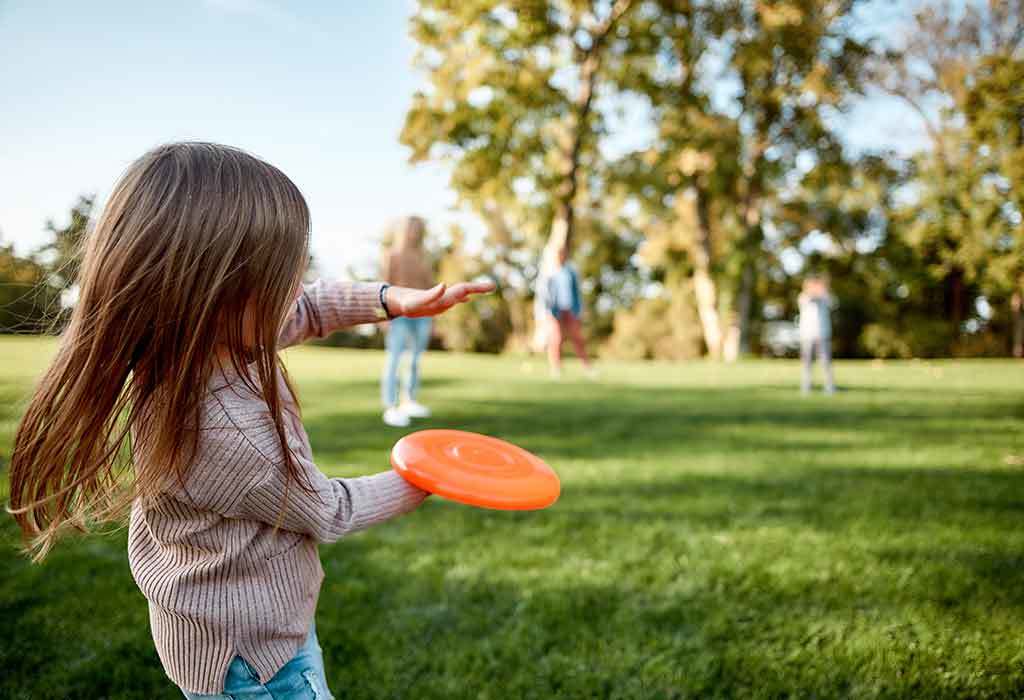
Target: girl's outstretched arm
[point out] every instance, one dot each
(326, 306)
(333, 508)
(239, 472)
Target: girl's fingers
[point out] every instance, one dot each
(479, 287)
(439, 298)
(460, 292)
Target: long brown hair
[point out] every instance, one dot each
(195, 238)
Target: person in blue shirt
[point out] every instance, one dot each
(558, 294)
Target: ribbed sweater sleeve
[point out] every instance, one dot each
(335, 508)
(241, 473)
(326, 306)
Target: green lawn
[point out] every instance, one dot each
(717, 536)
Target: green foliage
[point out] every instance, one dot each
(717, 537)
(484, 325)
(27, 301)
(508, 106)
(961, 217)
(718, 178)
(994, 108)
(31, 287)
(911, 337)
(743, 174)
(664, 327)
(62, 255)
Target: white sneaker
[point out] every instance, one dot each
(415, 410)
(396, 418)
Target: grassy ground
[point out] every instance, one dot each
(717, 536)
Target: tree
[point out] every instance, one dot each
(994, 108)
(478, 327)
(722, 164)
(959, 71)
(32, 288)
(510, 104)
(62, 254)
(27, 302)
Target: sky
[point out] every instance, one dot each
(319, 89)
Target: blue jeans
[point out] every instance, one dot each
(302, 678)
(411, 334)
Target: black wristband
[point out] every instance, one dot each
(384, 302)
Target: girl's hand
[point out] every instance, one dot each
(404, 301)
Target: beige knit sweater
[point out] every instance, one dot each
(219, 579)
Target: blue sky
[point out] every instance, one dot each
(320, 89)
(321, 92)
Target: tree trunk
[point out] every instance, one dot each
(1017, 319)
(704, 286)
(704, 281)
(738, 338)
(955, 306)
(564, 224)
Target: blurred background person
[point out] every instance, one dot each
(816, 331)
(558, 307)
(405, 264)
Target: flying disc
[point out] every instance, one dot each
(475, 469)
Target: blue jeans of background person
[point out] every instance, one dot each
(412, 334)
(823, 348)
(302, 678)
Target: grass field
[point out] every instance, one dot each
(718, 536)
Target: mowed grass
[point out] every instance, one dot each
(718, 536)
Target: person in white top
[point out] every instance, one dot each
(816, 331)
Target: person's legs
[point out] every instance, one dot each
(806, 358)
(398, 337)
(395, 344)
(575, 329)
(554, 345)
(825, 355)
(420, 341)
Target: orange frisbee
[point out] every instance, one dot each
(475, 469)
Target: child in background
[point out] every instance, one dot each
(167, 393)
(558, 294)
(815, 332)
(405, 264)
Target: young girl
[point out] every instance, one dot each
(167, 392)
(405, 263)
